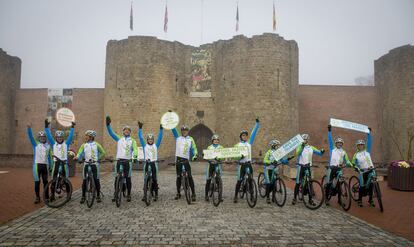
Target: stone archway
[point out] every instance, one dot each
(202, 136)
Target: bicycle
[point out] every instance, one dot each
(312, 188)
(354, 187)
(249, 187)
(338, 187)
(261, 184)
(185, 182)
(90, 182)
(279, 188)
(59, 189)
(216, 185)
(148, 189)
(120, 184)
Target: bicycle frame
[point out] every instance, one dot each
(371, 177)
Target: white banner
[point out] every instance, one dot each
(349, 125)
(223, 153)
(288, 147)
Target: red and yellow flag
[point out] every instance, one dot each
(166, 19)
(274, 18)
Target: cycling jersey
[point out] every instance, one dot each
(150, 151)
(338, 156)
(362, 159)
(305, 154)
(126, 146)
(185, 147)
(249, 144)
(42, 154)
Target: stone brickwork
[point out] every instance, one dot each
(251, 77)
(9, 82)
(394, 76)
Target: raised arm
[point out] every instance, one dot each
(369, 141)
(330, 141)
(141, 137)
(101, 151)
(71, 134)
(31, 138)
(254, 132)
(49, 136)
(110, 131)
(159, 138)
(175, 133)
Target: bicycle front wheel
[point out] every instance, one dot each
(279, 192)
(354, 187)
(186, 185)
(377, 194)
(119, 191)
(313, 194)
(90, 191)
(148, 190)
(344, 196)
(261, 185)
(251, 192)
(216, 190)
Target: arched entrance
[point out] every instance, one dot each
(202, 136)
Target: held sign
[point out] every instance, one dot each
(288, 147)
(65, 117)
(349, 125)
(169, 120)
(223, 153)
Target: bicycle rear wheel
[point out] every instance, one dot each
(314, 194)
(148, 190)
(251, 192)
(279, 192)
(354, 187)
(344, 195)
(261, 185)
(119, 191)
(186, 185)
(90, 191)
(216, 190)
(377, 194)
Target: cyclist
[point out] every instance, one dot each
(362, 162)
(60, 148)
(338, 157)
(215, 139)
(91, 151)
(151, 156)
(127, 151)
(245, 162)
(42, 160)
(270, 165)
(185, 150)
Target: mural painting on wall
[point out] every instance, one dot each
(58, 98)
(200, 73)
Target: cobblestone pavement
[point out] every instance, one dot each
(170, 222)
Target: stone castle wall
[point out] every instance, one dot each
(10, 68)
(394, 76)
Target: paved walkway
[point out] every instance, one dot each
(170, 222)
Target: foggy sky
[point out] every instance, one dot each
(62, 43)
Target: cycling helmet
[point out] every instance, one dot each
(126, 127)
(215, 137)
(243, 132)
(274, 142)
(305, 136)
(41, 133)
(59, 133)
(150, 136)
(90, 133)
(185, 127)
(339, 139)
(360, 142)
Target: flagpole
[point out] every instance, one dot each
(202, 21)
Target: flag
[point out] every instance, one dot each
(237, 18)
(166, 19)
(274, 18)
(131, 19)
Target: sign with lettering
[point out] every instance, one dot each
(349, 125)
(223, 153)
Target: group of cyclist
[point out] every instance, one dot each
(50, 152)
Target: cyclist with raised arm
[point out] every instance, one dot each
(363, 163)
(42, 160)
(304, 153)
(151, 156)
(215, 139)
(185, 151)
(60, 149)
(245, 161)
(93, 152)
(338, 157)
(270, 165)
(126, 154)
